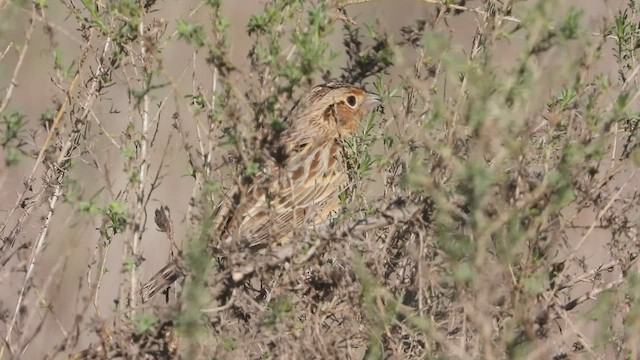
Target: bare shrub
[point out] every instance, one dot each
(492, 211)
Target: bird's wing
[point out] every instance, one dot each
(285, 199)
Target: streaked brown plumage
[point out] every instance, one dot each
(299, 188)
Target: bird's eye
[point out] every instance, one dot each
(351, 100)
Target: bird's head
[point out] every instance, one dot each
(334, 110)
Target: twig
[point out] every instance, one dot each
(23, 52)
(600, 214)
(35, 255)
(104, 130)
(54, 276)
(583, 339)
(588, 274)
(6, 50)
(55, 175)
(447, 5)
(139, 214)
(5, 102)
(398, 212)
(393, 215)
(592, 293)
(223, 307)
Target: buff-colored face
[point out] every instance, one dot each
(335, 110)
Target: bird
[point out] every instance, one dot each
(301, 181)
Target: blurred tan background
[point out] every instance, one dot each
(72, 239)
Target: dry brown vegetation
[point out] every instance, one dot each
(492, 212)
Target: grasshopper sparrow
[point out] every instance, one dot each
(301, 181)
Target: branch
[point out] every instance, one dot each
(54, 177)
(592, 294)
